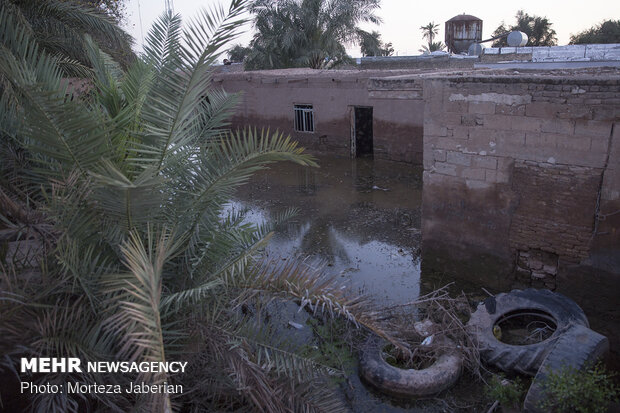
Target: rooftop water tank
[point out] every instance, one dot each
(517, 39)
(461, 32)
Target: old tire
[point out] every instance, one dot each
(577, 348)
(524, 359)
(407, 382)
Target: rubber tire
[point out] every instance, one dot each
(528, 358)
(407, 382)
(577, 348)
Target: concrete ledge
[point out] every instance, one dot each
(547, 65)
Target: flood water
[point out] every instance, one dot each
(360, 219)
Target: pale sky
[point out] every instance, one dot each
(402, 18)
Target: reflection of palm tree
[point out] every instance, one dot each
(320, 239)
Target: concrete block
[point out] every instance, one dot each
(445, 168)
(609, 113)
(477, 174)
(563, 126)
(512, 110)
(540, 140)
(482, 108)
(435, 129)
(461, 132)
(575, 112)
(428, 162)
(505, 164)
(542, 109)
(499, 122)
(510, 138)
(592, 128)
(452, 119)
(456, 106)
(472, 120)
(458, 158)
(526, 124)
(439, 155)
(574, 143)
(490, 175)
(599, 144)
(482, 139)
(486, 162)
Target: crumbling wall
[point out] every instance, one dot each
(524, 168)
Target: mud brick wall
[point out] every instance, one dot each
(267, 99)
(522, 167)
(556, 208)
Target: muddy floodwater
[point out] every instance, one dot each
(360, 219)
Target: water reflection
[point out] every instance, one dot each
(361, 218)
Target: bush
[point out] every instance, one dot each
(571, 390)
(507, 393)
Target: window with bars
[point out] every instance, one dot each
(304, 118)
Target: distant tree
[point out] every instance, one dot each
(433, 47)
(371, 44)
(538, 30)
(237, 53)
(306, 33)
(605, 32)
(429, 32)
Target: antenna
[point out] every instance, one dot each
(140, 19)
(169, 5)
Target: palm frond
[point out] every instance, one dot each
(231, 162)
(138, 295)
(312, 289)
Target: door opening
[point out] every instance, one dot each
(363, 131)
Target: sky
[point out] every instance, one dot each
(402, 18)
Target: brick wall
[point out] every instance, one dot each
(533, 156)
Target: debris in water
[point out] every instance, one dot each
(295, 325)
(427, 341)
(379, 188)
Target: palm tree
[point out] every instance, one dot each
(132, 180)
(306, 33)
(59, 27)
(432, 47)
(371, 44)
(430, 31)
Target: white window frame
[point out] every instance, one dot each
(303, 116)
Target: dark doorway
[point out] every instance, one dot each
(363, 131)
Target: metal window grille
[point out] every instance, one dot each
(304, 118)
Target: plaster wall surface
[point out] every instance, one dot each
(268, 99)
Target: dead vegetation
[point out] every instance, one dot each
(447, 334)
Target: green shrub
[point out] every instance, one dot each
(507, 392)
(571, 390)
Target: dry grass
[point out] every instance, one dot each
(449, 315)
